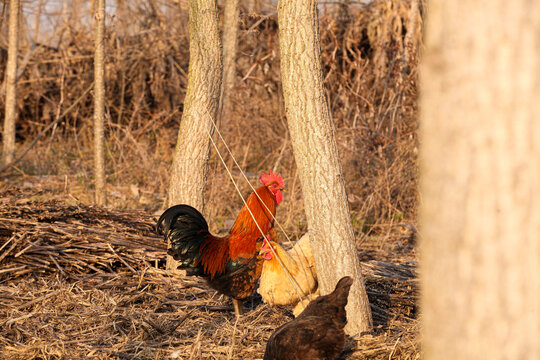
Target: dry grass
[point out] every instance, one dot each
(78, 281)
(83, 282)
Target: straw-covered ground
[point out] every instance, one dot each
(79, 282)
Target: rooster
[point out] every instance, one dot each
(275, 287)
(230, 263)
(317, 333)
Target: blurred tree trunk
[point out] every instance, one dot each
(344, 14)
(253, 7)
(411, 38)
(317, 158)
(230, 36)
(99, 103)
(122, 10)
(8, 151)
(190, 165)
(480, 173)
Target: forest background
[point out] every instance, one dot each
(370, 82)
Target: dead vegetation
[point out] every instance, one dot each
(372, 94)
(78, 281)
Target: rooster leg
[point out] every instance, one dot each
(238, 307)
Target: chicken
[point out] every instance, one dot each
(230, 263)
(275, 287)
(317, 333)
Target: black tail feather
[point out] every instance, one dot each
(169, 217)
(186, 229)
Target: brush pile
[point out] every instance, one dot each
(75, 240)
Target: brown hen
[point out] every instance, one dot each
(317, 333)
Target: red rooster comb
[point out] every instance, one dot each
(266, 179)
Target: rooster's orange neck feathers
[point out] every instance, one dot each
(242, 239)
(244, 233)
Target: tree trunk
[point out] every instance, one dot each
(480, 172)
(253, 7)
(412, 32)
(230, 35)
(99, 103)
(8, 136)
(317, 158)
(190, 166)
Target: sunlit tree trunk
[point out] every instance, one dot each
(8, 136)
(480, 180)
(253, 7)
(190, 165)
(412, 31)
(99, 103)
(317, 158)
(230, 35)
(123, 14)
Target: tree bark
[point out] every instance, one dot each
(190, 165)
(99, 103)
(317, 158)
(253, 7)
(230, 36)
(8, 151)
(480, 172)
(412, 32)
